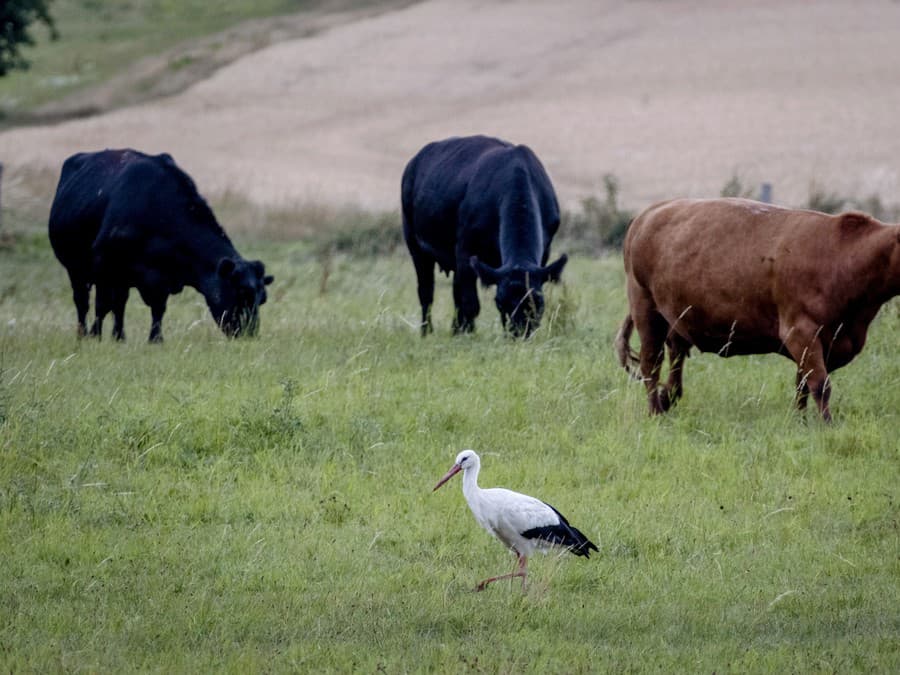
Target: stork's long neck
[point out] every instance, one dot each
(470, 488)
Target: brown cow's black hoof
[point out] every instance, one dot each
(660, 401)
(664, 400)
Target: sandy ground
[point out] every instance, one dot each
(673, 97)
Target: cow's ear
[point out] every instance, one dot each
(226, 267)
(258, 268)
(488, 275)
(553, 271)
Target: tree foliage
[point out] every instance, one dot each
(16, 19)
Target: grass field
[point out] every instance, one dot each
(265, 505)
(240, 506)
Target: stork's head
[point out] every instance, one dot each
(465, 461)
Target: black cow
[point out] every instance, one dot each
(481, 206)
(123, 219)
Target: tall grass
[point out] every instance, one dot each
(265, 505)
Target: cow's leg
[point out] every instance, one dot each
(802, 394)
(424, 265)
(678, 351)
(102, 306)
(81, 294)
(465, 298)
(818, 382)
(156, 299)
(805, 348)
(156, 313)
(652, 329)
(118, 298)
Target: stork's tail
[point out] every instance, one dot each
(564, 535)
(628, 358)
(583, 545)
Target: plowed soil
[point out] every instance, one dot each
(672, 97)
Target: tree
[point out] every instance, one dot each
(16, 18)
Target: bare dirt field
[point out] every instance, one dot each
(673, 97)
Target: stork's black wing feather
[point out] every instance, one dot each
(563, 534)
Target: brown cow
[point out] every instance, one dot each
(734, 276)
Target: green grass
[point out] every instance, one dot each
(240, 506)
(101, 38)
(266, 505)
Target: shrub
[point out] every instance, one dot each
(826, 202)
(832, 202)
(600, 225)
(735, 188)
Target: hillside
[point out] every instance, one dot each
(673, 98)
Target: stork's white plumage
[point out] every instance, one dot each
(523, 523)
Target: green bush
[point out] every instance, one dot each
(735, 188)
(832, 202)
(599, 225)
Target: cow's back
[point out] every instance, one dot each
(153, 198)
(718, 269)
(82, 195)
(437, 177)
(514, 174)
(434, 185)
(456, 187)
(125, 203)
(88, 184)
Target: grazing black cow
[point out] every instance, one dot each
(481, 206)
(123, 219)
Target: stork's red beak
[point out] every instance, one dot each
(455, 469)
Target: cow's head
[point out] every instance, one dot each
(241, 290)
(519, 298)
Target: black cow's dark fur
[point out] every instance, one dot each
(122, 219)
(479, 206)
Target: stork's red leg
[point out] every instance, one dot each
(521, 571)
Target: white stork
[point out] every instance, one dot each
(523, 523)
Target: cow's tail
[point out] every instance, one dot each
(628, 358)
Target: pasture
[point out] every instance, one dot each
(240, 506)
